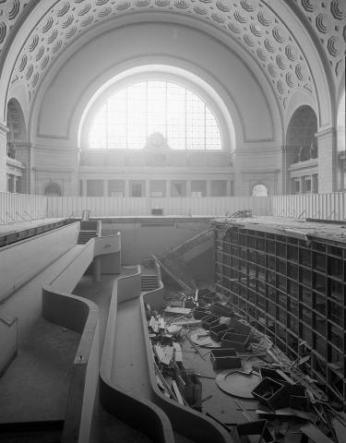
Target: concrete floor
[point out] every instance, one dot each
(225, 408)
(35, 386)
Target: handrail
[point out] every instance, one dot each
(190, 241)
(15, 236)
(87, 245)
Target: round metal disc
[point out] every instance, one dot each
(237, 383)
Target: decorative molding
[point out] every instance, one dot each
(327, 22)
(326, 133)
(4, 128)
(12, 14)
(251, 23)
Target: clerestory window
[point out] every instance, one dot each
(129, 116)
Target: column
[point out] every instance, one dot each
(3, 147)
(284, 171)
(23, 154)
(326, 142)
(208, 188)
(146, 189)
(126, 188)
(188, 188)
(228, 188)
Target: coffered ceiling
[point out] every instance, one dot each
(256, 25)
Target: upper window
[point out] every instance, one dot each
(127, 118)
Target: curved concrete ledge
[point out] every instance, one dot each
(65, 309)
(185, 421)
(80, 315)
(32, 255)
(139, 413)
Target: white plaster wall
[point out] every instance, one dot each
(139, 242)
(23, 260)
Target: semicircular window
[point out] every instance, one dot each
(130, 116)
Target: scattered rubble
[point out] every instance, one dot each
(246, 364)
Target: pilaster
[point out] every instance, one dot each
(3, 148)
(326, 142)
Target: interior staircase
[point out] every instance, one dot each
(175, 263)
(149, 282)
(88, 230)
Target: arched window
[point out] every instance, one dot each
(16, 126)
(260, 190)
(131, 115)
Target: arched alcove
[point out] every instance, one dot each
(53, 189)
(340, 143)
(301, 152)
(259, 190)
(17, 132)
(143, 85)
(16, 139)
(156, 116)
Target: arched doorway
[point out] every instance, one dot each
(259, 190)
(16, 147)
(53, 189)
(301, 153)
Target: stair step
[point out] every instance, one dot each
(85, 235)
(149, 282)
(88, 225)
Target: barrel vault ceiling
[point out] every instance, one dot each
(253, 24)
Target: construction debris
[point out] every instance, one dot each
(243, 362)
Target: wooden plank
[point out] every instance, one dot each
(315, 434)
(177, 310)
(177, 393)
(340, 430)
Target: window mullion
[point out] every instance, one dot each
(127, 118)
(184, 101)
(106, 128)
(205, 127)
(185, 117)
(146, 108)
(166, 111)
